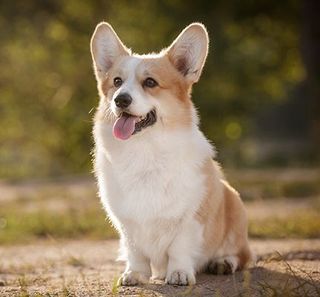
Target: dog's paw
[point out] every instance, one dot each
(132, 278)
(227, 265)
(180, 278)
(157, 277)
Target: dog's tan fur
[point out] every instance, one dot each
(223, 216)
(211, 224)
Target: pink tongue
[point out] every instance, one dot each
(124, 126)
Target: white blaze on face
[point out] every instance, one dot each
(141, 104)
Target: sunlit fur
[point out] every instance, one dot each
(168, 199)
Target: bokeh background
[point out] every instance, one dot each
(258, 97)
(259, 102)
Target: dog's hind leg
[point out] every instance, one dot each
(229, 264)
(223, 265)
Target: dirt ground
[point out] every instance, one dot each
(51, 267)
(88, 268)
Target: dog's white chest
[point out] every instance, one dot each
(153, 180)
(155, 183)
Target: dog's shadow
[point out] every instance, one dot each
(273, 275)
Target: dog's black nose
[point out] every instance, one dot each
(123, 100)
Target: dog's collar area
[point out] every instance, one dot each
(145, 122)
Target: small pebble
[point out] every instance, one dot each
(2, 283)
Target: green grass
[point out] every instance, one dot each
(19, 226)
(275, 189)
(299, 225)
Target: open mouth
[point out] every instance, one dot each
(127, 124)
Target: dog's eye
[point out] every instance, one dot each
(117, 81)
(150, 83)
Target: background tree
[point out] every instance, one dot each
(48, 93)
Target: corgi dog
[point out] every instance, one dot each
(168, 199)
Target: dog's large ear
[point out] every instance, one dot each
(189, 51)
(106, 47)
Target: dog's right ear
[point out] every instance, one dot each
(106, 47)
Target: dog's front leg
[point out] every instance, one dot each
(138, 269)
(159, 267)
(182, 256)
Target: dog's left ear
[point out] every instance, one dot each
(189, 51)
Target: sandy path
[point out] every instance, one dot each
(88, 268)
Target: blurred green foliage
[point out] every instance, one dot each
(48, 92)
(303, 225)
(21, 225)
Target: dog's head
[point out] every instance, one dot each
(140, 91)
